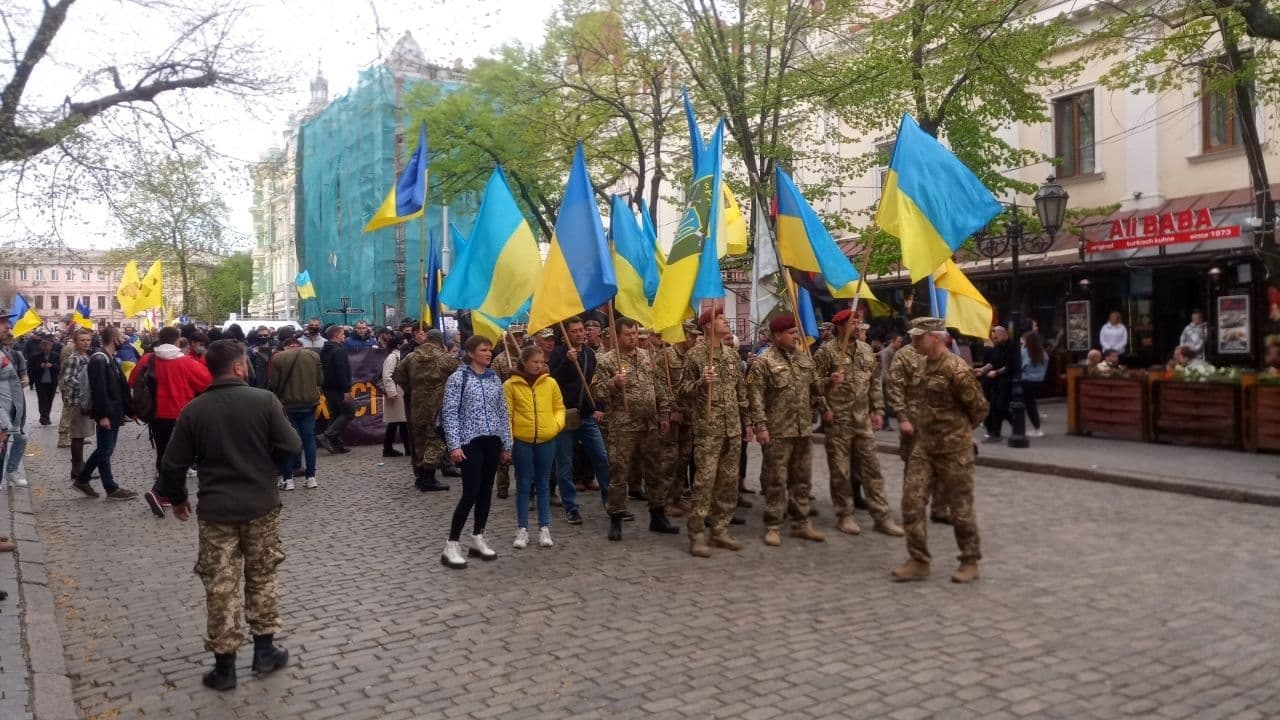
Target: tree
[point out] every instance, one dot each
(171, 214)
(221, 294)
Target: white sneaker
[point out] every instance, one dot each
(544, 537)
(311, 483)
(522, 539)
(1036, 433)
(481, 549)
(288, 484)
(452, 555)
(18, 477)
(280, 482)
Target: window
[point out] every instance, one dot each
(71, 302)
(71, 274)
(53, 274)
(84, 275)
(85, 298)
(1073, 134)
(884, 154)
(39, 273)
(1220, 127)
(102, 275)
(22, 274)
(53, 302)
(115, 303)
(119, 275)
(6, 274)
(39, 301)
(102, 302)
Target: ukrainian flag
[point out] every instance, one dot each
(634, 264)
(808, 318)
(733, 241)
(306, 290)
(651, 238)
(566, 289)
(407, 198)
(435, 274)
(931, 201)
(693, 272)
(497, 269)
(958, 302)
(805, 244)
(23, 319)
(81, 315)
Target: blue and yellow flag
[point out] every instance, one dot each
(651, 237)
(23, 319)
(634, 264)
(697, 147)
(407, 198)
(693, 272)
(81, 315)
(808, 318)
(497, 269)
(578, 275)
(733, 241)
(931, 201)
(805, 244)
(435, 275)
(306, 290)
(954, 298)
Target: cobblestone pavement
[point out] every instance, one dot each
(1095, 601)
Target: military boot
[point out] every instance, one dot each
(722, 540)
(267, 657)
(698, 546)
(911, 570)
(966, 573)
(615, 527)
(888, 527)
(658, 522)
(223, 674)
(772, 537)
(848, 525)
(806, 532)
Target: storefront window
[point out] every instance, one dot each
(1073, 134)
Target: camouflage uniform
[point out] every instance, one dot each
(422, 374)
(633, 426)
(952, 406)
(717, 436)
(677, 443)
(780, 387)
(222, 546)
(504, 364)
(906, 395)
(852, 403)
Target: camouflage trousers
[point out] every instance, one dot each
(502, 480)
(785, 478)
(627, 449)
(227, 549)
(428, 446)
(847, 442)
(64, 421)
(951, 475)
(715, 483)
(676, 451)
(907, 443)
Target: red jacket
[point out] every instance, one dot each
(179, 378)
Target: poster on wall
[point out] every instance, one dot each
(1233, 325)
(1078, 324)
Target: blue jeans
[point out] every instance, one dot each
(16, 451)
(100, 460)
(533, 469)
(593, 442)
(304, 423)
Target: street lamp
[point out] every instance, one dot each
(1051, 206)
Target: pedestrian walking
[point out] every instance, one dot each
(477, 431)
(294, 377)
(1035, 362)
(80, 425)
(43, 367)
(108, 396)
(537, 417)
(236, 435)
(906, 393)
(174, 380)
(337, 390)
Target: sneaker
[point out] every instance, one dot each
(544, 537)
(480, 548)
(121, 494)
(18, 477)
(280, 483)
(153, 502)
(573, 517)
(85, 488)
(288, 484)
(311, 483)
(1036, 433)
(522, 539)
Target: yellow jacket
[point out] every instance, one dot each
(537, 411)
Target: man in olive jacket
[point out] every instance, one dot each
(236, 435)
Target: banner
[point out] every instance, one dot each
(366, 391)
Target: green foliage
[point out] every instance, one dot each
(220, 293)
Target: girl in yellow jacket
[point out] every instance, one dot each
(537, 417)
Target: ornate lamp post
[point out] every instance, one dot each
(1051, 206)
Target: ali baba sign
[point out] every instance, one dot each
(1146, 231)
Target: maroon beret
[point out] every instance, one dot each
(842, 316)
(782, 322)
(709, 314)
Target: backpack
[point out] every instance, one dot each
(143, 397)
(85, 399)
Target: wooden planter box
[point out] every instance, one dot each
(1196, 413)
(1262, 417)
(1114, 407)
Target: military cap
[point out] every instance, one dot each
(922, 325)
(591, 323)
(516, 329)
(545, 333)
(691, 327)
(826, 326)
(644, 331)
(782, 323)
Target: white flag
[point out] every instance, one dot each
(765, 277)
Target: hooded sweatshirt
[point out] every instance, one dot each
(179, 378)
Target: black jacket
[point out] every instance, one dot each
(237, 436)
(337, 369)
(34, 371)
(566, 375)
(108, 389)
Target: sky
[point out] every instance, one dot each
(296, 38)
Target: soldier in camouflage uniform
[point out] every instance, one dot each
(952, 407)
(637, 406)
(855, 409)
(677, 443)
(504, 363)
(906, 394)
(717, 433)
(781, 386)
(422, 374)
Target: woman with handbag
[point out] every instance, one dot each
(477, 432)
(537, 417)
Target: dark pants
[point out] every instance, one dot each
(341, 413)
(161, 431)
(1029, 400)
(100, 459)
(478, 469)
(390, 437)
(44, 399)
(997, 392)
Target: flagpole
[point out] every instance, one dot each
(711, 352)
(422, 270)
(857, 295)
(613, 328)
(786, 278)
